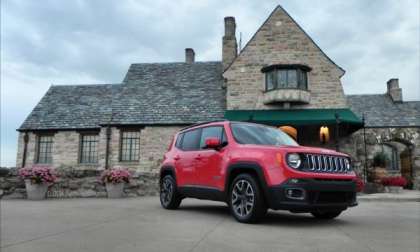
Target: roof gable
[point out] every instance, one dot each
(274, 23)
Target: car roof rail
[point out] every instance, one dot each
(202, 123)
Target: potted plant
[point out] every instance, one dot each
(37, 180)
(379, 167)
(394, 184)
(114, 180)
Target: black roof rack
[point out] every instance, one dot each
(202, 123)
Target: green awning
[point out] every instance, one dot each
(296, 117)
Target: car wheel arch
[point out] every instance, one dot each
(245, 167)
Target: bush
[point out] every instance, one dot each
(380, 159)
(115, 175)
(394, 181)
(38, 174)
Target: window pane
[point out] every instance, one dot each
(89, 149)
(302, 79)
(269, 81)
(130, 145)
(282, 78)
(191, 140)
(291, 78)
(210, 132)
(44, 154)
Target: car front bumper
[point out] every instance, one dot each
(314, 194)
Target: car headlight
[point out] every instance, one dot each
(347, 164)
(293, 160)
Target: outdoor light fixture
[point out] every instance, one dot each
(324, 134)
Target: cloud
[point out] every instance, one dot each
(83, 42)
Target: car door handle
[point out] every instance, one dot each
(198, 157)
(177, 158)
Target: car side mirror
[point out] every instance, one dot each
(212, 143)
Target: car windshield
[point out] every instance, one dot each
(247, 133)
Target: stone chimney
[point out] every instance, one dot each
(394, 90)
(189, 55)
(229, 48)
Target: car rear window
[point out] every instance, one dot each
(191, 140)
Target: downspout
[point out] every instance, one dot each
(108, 131)
(108, 138)
(337, 122)
(25, 148)
(364, 144)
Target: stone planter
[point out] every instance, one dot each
(36, 191)
(115, 190)
(393, 189)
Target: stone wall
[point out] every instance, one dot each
(154, 141)
(375, 137)
(78, 183)
(281, 41)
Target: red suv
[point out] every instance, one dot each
(254, 167)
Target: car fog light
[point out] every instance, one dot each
(295, 193)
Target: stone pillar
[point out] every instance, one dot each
(394, 90)
(229, 47)
(189, 55)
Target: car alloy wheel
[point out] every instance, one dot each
(166, 191)
(243, 198)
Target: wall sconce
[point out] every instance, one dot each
(324, 134)
(289, 130)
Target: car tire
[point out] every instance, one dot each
(169, 196)
(246, 199)
(326, 214)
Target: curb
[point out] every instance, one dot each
(359, 199)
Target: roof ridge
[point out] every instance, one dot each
(176, 62)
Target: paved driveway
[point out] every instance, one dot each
(140, 224)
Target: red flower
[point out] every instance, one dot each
(394, 181)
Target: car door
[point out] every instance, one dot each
(209, 161)
(185, 159)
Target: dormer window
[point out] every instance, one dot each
(286, 77)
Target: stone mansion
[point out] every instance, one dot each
(280, 77)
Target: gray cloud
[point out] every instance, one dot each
(77, 42)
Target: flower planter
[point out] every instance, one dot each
(393, 189)
(36, 191)
(115, 190)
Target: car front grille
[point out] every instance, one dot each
(325, 163)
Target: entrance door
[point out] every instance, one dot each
(406, 166)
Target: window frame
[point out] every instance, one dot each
(275, 70)
(38, 148)
(120, 158)
(81, 145)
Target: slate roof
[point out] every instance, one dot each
(381, 111)
(156, 93)
(71, 107)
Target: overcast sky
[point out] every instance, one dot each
(95, 41)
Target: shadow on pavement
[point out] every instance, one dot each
(272, 218)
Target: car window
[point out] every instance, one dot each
(179, 141)
(262, 135)
(191, 140)
(207, 132)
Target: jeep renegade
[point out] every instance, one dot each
(253, 167)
